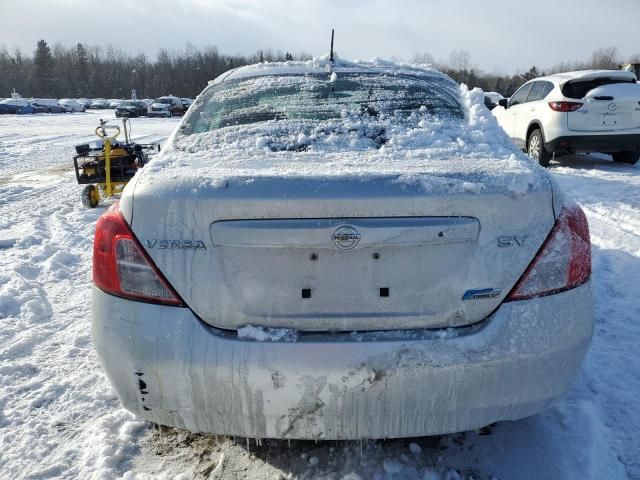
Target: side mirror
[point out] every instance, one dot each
(504, 102)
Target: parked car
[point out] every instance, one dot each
(86, 102)
(584, 111)
(47, 108)
(167, 106)
(16, 105)
(99, 103)
(492, 99)
(186, 103)
(72, 105)
(312, 256)
(115, 103)
(131, 108)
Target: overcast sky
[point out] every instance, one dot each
(500, 35)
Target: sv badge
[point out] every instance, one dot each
(512, 241)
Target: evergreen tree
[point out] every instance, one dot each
(44, 82)
(82, 70)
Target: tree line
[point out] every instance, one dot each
(460, 67)
(95, 71)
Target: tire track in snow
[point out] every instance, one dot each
(58, 415)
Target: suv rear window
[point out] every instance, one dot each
(320, 97)
(579, 88)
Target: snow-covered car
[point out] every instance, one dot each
(99, 103)
(584, 111)
(340, 251)
(492, 99)
(48, 108)
(72, 105)
(115, 103)
(131, 108)
(16, 105)
(166, 106)
(86, 102)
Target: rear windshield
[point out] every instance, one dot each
(166, 101)
(579, 88)
(320, 97)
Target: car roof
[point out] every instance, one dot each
(561, 78)
(324, 65)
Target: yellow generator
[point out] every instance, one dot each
(106, 166)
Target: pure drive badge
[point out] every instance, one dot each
(479, 293)
(175, 244)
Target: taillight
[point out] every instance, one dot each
(122, 267)
(565, 106)
(563, 262)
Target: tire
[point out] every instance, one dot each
(536, 148)
(626, 157)
(90, 196)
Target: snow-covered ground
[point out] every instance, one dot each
(60, 419)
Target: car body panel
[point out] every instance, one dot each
(231, 286)
(170, 368)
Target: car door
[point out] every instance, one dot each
(518, 108)
(530, 110)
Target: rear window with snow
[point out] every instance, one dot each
(580, 88)
(320, 97)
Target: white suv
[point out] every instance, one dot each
(586, 111)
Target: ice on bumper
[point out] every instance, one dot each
(170, 368)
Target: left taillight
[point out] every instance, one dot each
(565, 107)
(121, 266)
(563, 262)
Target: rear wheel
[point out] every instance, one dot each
(90, 196)
(626, 157)
(536, 148)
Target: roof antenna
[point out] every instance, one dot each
(331, 50)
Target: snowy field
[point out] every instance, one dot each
(60, 419)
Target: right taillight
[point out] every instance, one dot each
(564, 106)
(122, 267)
(563, 262)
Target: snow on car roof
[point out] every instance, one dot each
(323, 64)
(589, 74)
(472, 154)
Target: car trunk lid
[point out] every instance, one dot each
(344, 252)
(608, 108)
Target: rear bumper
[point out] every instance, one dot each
(172, 369)
(594, 143)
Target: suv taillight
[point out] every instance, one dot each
(565, 106)
(122, 267)
(563, 262)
